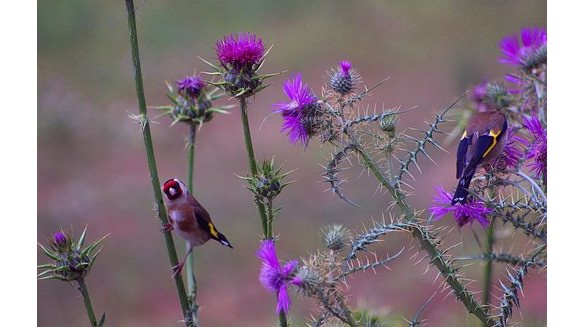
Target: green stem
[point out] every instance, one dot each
(397, 195)
(488, 266)
(270, 218)
(282, 319)
(253, 168)
(146, 132)
(191, 281)
(87, 301)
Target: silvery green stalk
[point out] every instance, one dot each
(146, 132)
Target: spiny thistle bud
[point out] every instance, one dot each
(70, 260)
(498, 95)
(536, 58)
(336, 237)
(192, 101)
(344, 79)
(268, 183)
(307, 281)
(388, 124)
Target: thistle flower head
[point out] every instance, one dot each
(336, 237)
(538, 148)
(497, 95)
(300, 115)
(512, 153)
(240, 51)
(70, 260)
(268, 183)
(274, 277)
(190, 86)
(344, 79)
(463, 213)
(306, 280)
(528, 53)
(240, 56)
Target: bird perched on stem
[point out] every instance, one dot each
(483, 140)
(189, 218)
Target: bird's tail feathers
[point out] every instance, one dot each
(223, 240)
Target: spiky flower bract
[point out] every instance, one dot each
(274, 277)
(240, 51)
(190, 86)
(530, 52)
(301, 114)
(463, 213)
(344, 79)
(538, 147)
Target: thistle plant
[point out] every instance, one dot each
(71, 263)
(510, 189)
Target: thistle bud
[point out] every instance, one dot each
(306, 280)
(388, 124)
(344, 79)
(498, 95)
(336, 237)
(70, 260)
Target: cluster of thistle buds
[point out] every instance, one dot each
(192, 101)
(70, 260)
(268, 182)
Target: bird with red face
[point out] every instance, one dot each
(188, 218)
(483, 140)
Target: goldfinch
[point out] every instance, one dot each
(188, 218)
(483, 140)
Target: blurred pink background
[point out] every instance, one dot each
(92, 168)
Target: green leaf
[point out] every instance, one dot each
(48, 253)
(81, 239)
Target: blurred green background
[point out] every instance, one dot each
(92, 167)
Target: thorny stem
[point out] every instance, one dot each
(146, 132)
(437, 257)
(449, 274)
(397, 195)
(191, 280)
(253, 169)
(87, 302)
(533, 184)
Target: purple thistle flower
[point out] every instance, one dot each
(190, 85)
(240, 51)
(513, 151)
(296, 112)
(345, 67)
(274, 277)
(538, 148)
(60, 239)
(479, 97)
(533, 41)
(463, 213)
